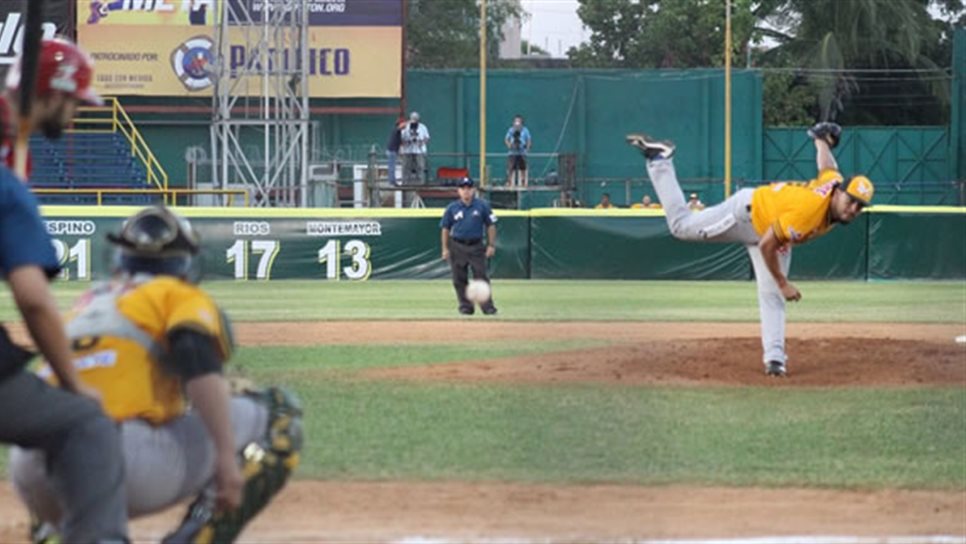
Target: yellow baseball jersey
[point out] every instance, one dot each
(797, 212)
(118, 332)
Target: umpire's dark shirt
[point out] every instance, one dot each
(467, 223)
(23, 237)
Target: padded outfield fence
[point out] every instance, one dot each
(888, 242)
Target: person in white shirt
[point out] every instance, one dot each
(415, 136)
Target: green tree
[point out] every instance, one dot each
(532, 49)
(660, 33)
(445, 33)
(856, 61)
(865, 61)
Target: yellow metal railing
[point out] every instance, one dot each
(170, 196)
(92, 121)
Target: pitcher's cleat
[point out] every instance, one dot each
(775, 368)
(651, 148)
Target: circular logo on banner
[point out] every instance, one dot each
(192, 62)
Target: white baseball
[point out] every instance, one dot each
(478, 291)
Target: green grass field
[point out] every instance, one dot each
(911, 302)
(363, 429)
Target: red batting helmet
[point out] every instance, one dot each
(62, 67)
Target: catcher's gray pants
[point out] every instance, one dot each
(729, 221)
(165, 464)
(82, 450)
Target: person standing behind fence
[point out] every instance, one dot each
(518, 143)
(415, 137)
(462, 241)
(392, 149)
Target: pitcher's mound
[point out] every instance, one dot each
(719, 361)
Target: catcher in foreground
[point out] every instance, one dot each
(768, 220)
(153, 343)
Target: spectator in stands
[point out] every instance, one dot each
(518, 144)
(694, 203)
(645, 202)
(415, 137)
(392, 148)
(604, 202)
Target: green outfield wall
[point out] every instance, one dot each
(623, 244)
(908, 244)
(360, 244)
(910, 165)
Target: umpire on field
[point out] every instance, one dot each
(463, 243)
(82, 448)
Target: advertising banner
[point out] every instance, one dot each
(167, 47)
(361, 245)
(57, 21)
(590, 246)
(327, 247)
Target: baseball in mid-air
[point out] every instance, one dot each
(478, 291)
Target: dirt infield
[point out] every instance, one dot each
(457, 511)
(690, 354)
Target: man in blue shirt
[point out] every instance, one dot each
(392, 148)
(518, 143)
(81, 445)
(463, 245)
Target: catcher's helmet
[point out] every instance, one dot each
(62, 67)
(156, 241)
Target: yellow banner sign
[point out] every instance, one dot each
(167, 48)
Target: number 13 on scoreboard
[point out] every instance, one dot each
(358, 252)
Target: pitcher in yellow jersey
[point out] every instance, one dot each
(153, 344)
(768, 220)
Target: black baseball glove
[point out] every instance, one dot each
(829, 132)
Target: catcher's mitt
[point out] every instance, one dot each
(828, 132)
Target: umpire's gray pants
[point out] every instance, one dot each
(165, 464)
(82, 453)
(729, 221)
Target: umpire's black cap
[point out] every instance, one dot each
(465, 181)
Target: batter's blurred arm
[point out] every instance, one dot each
(32, 295)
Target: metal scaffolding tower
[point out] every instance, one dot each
(260, 108)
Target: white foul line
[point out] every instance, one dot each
(933, 539)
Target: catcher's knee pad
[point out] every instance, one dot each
(266, 465)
